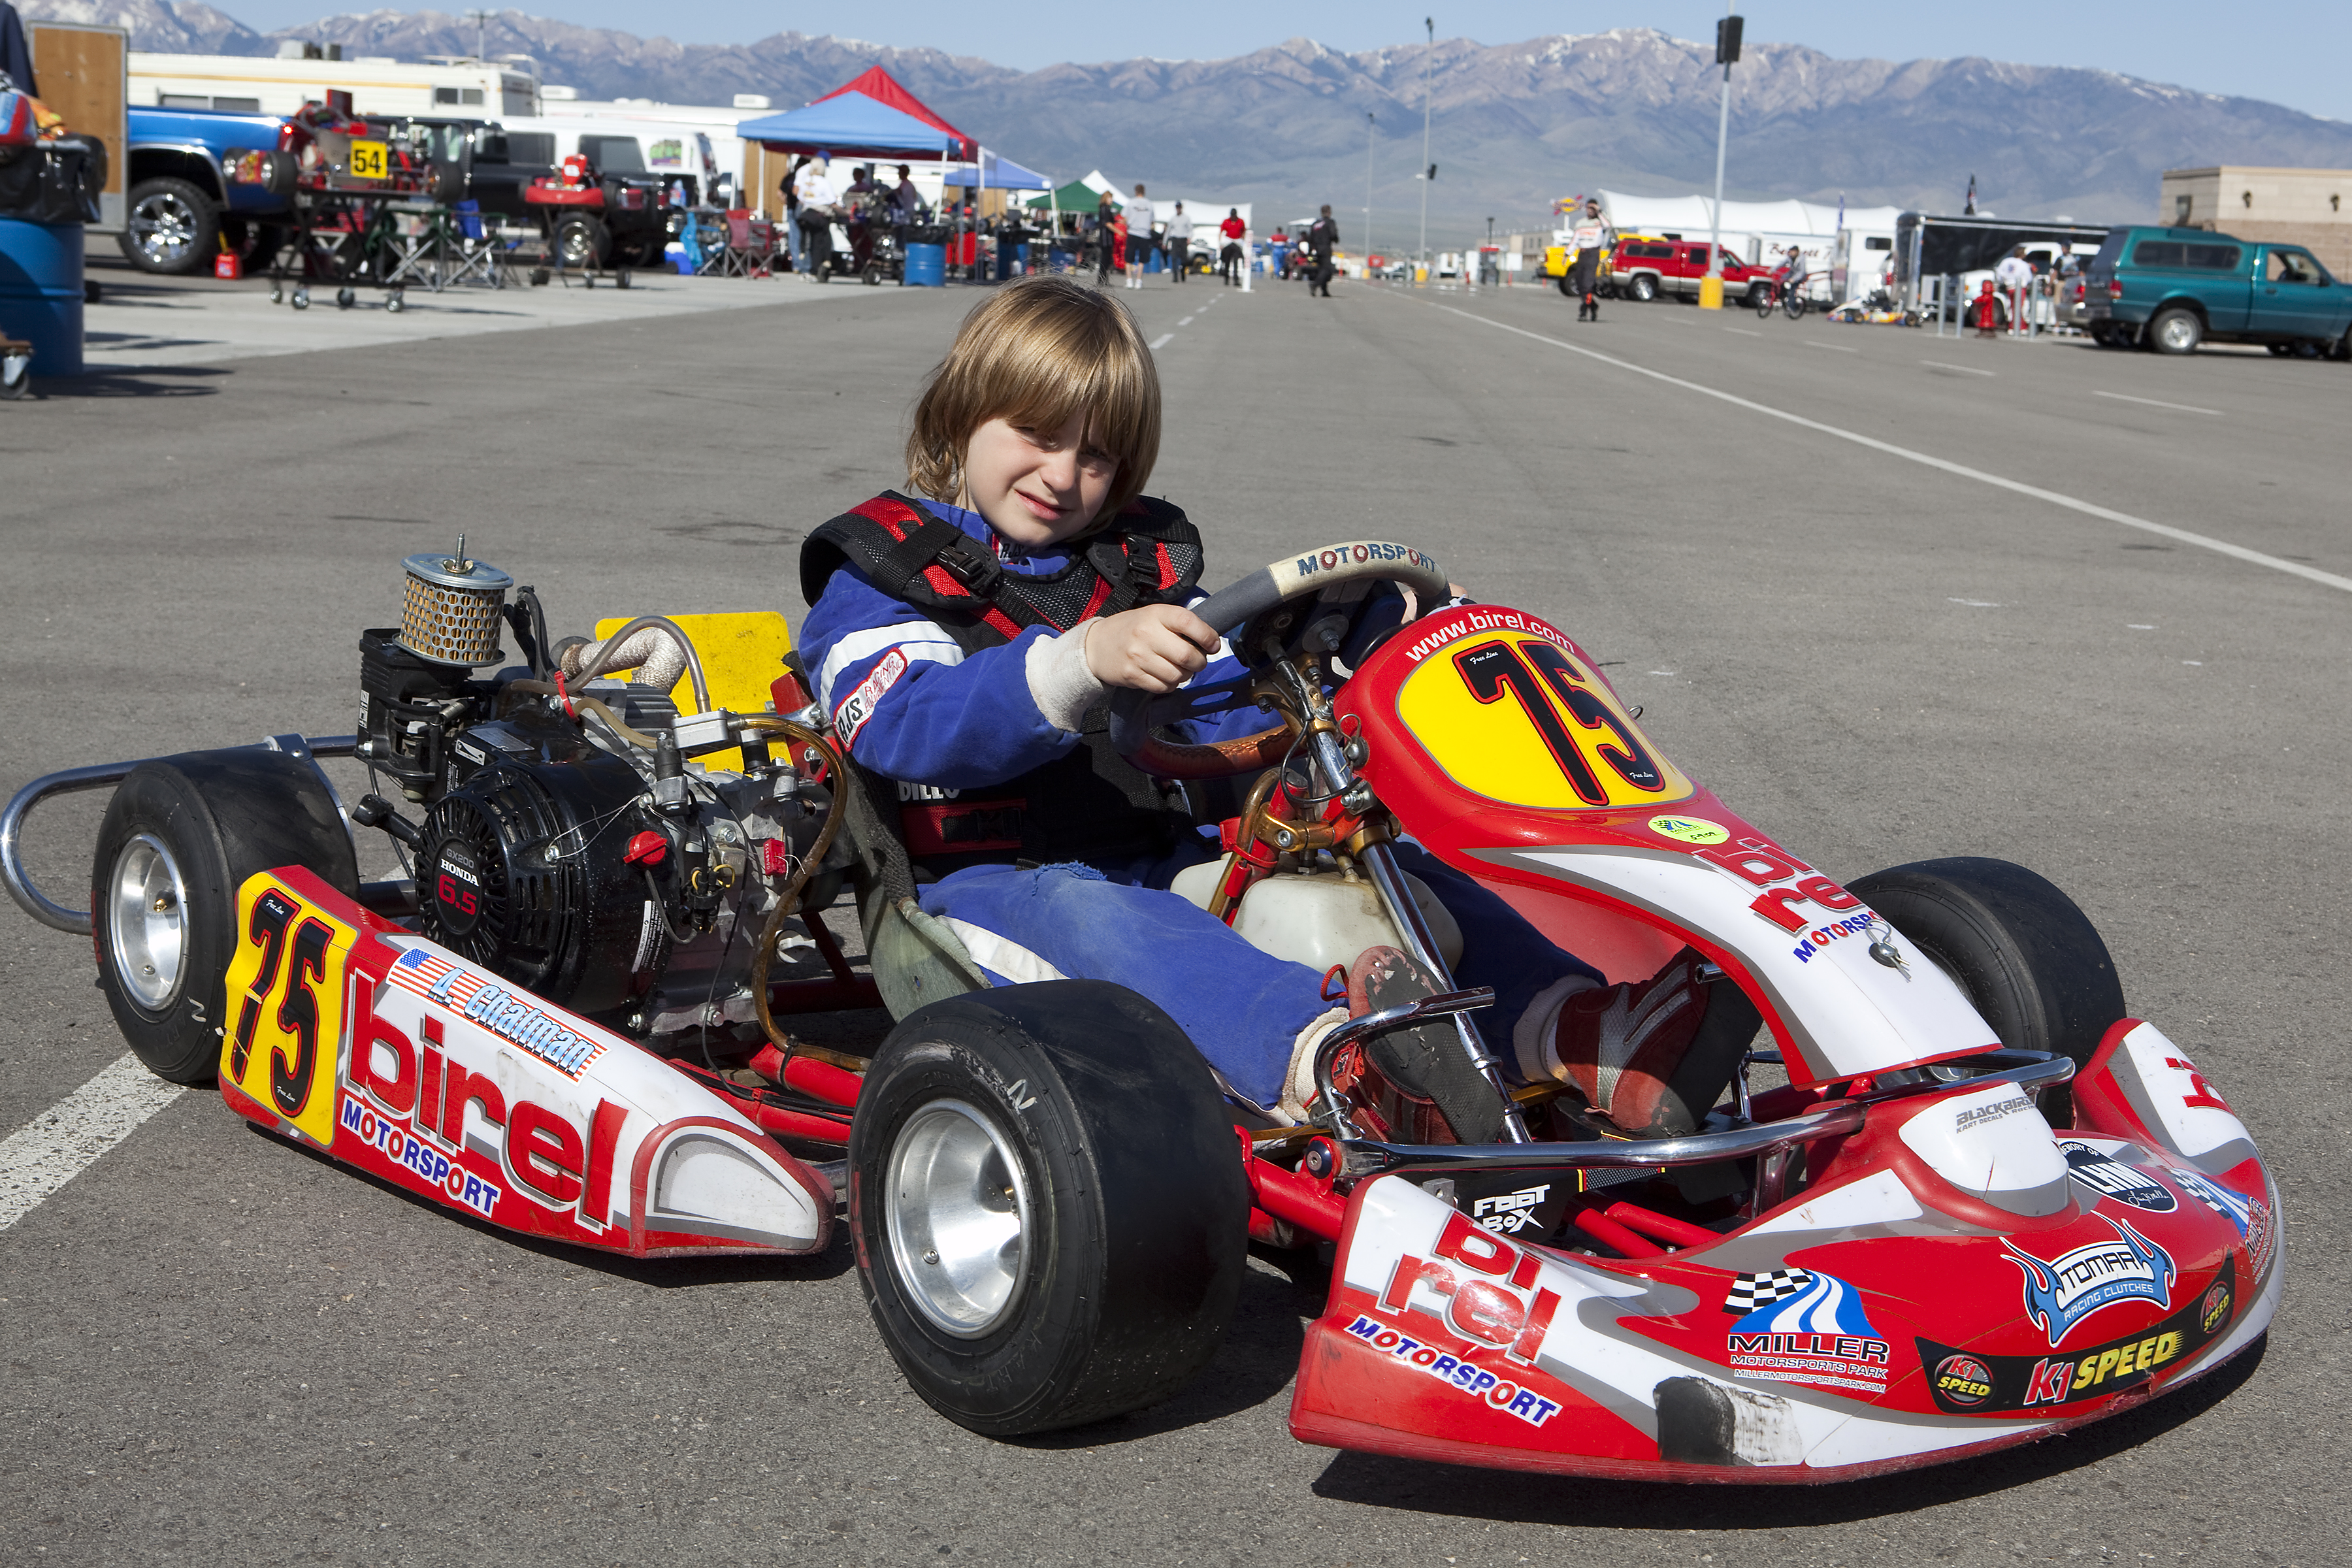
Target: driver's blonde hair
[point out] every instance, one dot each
(1034, 353)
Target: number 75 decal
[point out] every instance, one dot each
(1518, 719)
(285, 1006)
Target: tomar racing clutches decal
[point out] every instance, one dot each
(1967, 1383)
(2062, 1291)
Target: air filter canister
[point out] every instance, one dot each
(449, 611)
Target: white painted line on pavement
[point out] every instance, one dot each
(56, 1146)
(1162, 340)
(1186, 322)
(2152, 403)
(2203, 542)
(1963, 369)
(1834, 348)
(1743, 332)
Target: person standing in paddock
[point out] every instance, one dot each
(1322, 235)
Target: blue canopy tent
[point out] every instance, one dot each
(995, 174)
(852, 125)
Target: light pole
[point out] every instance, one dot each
(1368, 187)
(1430, 25)
(481, 21)
(1483, 255)
(1726, 51)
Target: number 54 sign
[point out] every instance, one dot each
(285, 1016)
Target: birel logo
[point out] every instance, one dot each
(416, 1097)
(1356, 553)
(1468, 1377)
(1764, 864)
(1799, 1326)
(396, 1140)
(500, 1011)
(1467, 622)
(1506, 1213)
(2062, 1291)
(1486, 1308)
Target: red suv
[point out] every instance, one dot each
(1644, 268)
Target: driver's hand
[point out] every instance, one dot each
(1153, 647)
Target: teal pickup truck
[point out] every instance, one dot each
(2172, 288)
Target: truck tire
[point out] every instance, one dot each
(1048, 1203)
(178, 840)
(2176, 332)
(1643, 288)
(169, 227)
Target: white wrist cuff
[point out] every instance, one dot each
(1064, 688)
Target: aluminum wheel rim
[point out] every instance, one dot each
(165, 227)
(2177, 334)
(955, 1208)
(147, 925)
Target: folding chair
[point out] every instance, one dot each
(468, 255)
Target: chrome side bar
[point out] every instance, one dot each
(104, 776)
(2032, 1071)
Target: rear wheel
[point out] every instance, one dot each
(1048, 1205)
(2019, 949)
(580, 243)
(178, 839)
(1643, 288)
(2176, 333)
(1796, 304)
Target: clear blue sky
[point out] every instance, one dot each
(2295, 54)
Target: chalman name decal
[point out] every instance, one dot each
(498, 1010)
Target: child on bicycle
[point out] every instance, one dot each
(964, 640)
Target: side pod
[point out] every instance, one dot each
(398, 1058)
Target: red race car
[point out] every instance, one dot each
(1977, 1203)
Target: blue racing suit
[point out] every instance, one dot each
(913, 703)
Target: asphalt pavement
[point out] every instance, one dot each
(1894, 596)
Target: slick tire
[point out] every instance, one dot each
(1048, 1205)
(178, 839)
(2020, 951)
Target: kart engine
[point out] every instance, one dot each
(569, 841)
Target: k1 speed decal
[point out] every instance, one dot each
(1969, 1382)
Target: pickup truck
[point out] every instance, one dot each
(177, 207)
(1643, 268)
(2173, 289)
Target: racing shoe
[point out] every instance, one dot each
(1651, 1056)
(1425, 1060)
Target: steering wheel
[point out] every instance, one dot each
(1262, 609)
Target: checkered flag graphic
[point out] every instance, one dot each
(1750, 1292)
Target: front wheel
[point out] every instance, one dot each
(169, 227)
(1048, 1205)
(1643, 288)
(2019, 950)
(178, 839)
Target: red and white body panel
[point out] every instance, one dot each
(398, 1058)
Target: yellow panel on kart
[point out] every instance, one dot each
(1517, 718)
(742, 653)
(283, 1027)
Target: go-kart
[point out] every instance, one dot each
(1979, 1205)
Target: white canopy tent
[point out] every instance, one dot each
(1851, 255)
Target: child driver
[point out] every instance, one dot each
(964, 639)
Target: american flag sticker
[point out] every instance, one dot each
(510, 1015)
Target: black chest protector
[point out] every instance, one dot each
(1088, 803)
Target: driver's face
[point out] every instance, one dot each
(1036, 487)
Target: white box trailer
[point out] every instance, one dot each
(474, 89)
(1846, 250)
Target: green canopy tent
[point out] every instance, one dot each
(1078, 197)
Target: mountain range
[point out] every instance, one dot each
(1514, 125)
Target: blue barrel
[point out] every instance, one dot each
(927, 266)
(40, 293)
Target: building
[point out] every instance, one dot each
(2310, 207)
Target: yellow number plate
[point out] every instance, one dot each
(285, 1010)
(1518, 719)
(369, 160)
